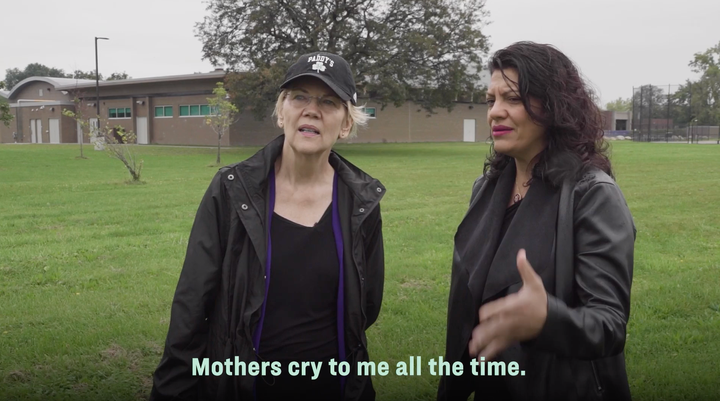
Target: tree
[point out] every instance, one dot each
(82, 115)
(117, 143)
(79, 74)
(5, 115)
(620, 104)
(649, 100)
(15, 75)
(116, 76)
(427, 51)
(681, 104)
(705, 92)
(222, 113)
(698, 102)
(114, 140)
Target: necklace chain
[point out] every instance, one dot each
(517, 197)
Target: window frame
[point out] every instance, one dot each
(189, 108)
(126, 113)
(374, 114)
(163, 107)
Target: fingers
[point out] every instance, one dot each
(487, 341)
(495, 308)
(475, 344)
(527, 273)
(495, 347)
(482, 335)
(501, 321)
(487, 332)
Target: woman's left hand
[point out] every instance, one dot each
(516, 317)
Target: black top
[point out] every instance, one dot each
(509, 214)
(507, 219)
(300, 322)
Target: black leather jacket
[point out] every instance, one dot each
(578, 355)
(217, 303)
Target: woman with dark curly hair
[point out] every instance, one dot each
(542, 267)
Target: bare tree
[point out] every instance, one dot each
(81, 113)
(116, 141)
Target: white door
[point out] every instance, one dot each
(95, 137)
(39, 134)
(79, 133)
(33, 134)
(54, 130)
(469, 130)
(142, 135)
(93, 127)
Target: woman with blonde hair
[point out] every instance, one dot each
(285, 259)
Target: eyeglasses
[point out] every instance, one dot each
(326, 104)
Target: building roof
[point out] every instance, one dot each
(65, 84)
(168, 78)
(4, 94)
(55, 82)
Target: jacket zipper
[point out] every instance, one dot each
(597, 379)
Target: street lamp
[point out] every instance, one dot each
(97, 79)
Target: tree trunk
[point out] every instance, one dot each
(218, 152)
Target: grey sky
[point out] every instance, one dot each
(617, 44)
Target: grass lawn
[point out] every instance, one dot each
(89, 264)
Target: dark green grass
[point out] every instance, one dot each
(88, 264)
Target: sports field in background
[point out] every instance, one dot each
(89, 264)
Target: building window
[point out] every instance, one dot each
(370, 111)
(163, 111)
(193, 110)
(119, 113)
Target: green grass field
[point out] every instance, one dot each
(89, 264)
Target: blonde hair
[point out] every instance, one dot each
(355, 113)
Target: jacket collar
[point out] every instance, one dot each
(490, 261)
(255, 170)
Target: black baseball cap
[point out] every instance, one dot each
(330, 68)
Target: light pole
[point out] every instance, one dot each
(97, 79)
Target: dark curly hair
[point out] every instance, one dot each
(573, 122)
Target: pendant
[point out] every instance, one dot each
(516, 198)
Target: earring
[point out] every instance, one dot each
(280, 124)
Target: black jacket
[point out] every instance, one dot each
(217, 303)
(578, 355)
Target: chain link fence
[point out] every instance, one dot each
(670, 114)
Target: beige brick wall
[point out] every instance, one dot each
(407, 123)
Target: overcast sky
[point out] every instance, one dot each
(617, 44)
